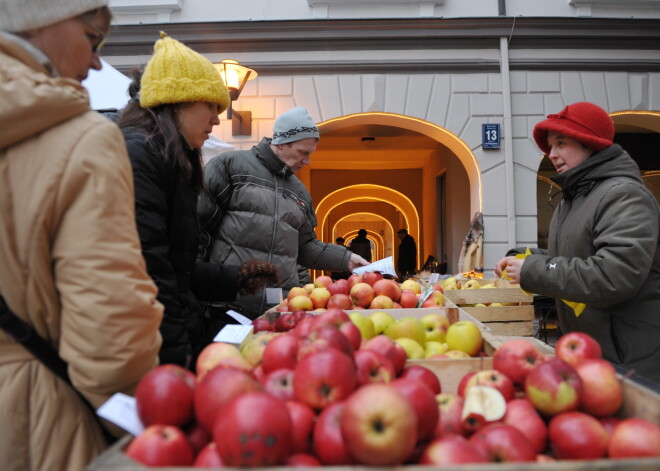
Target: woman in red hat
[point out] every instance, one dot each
(603, 242)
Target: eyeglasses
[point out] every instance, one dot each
(102, 38)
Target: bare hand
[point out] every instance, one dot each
(356, 261)
(513, 267)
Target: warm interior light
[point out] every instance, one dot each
(235, 76)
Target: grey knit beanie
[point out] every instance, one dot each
(23, 15)
(294, 125)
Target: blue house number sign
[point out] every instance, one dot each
(490, 136)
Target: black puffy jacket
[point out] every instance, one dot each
(166, 214)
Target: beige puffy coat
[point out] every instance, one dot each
(70, 265)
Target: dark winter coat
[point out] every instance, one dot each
(362, 247)
(407, 261)
(603, 252)
(166, 214)
(253, 207)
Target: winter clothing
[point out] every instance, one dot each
(407, 260)
(294, 125)
(361, 245)
(177, 74)
(71, 266)
(166, 212)
(585, 122)
(603, 251)
(255, 208)
(22, 15)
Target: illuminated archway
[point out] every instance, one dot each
(459, 148)
(369, 192)
(377, 239)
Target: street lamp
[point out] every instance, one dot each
(235, 77)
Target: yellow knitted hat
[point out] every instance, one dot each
(177, 74)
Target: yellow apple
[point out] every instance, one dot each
(412, 285)
(465, 336)
(364, 324)
(455, 354)
(414, 350)
(496, 304)
(434, 348)
(253, 349)
(488, 286)
(471, 284)
(480, 305)
(435, 326)
(381, 320)
(409, 327)
(449, 281)
(450, 286)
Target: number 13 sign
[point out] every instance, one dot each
(490, 138)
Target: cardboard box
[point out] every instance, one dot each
(515, 318)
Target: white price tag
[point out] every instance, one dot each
(234, 334)
(238, 317)
(274, 296)
(384, 266)
(433, 279)
(120, 409)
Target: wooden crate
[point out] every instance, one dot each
(639, 401)
(515, 318)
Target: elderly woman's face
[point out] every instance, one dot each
(70, 45)
(565, 152)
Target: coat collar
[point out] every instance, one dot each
(271, 161)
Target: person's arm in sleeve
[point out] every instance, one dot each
(109, 312)
(625, 243)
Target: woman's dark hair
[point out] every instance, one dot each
(163, 135)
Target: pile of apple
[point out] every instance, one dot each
(367, 291)
(315, 395)
(530, 407)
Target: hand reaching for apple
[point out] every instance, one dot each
(513, 267)
(356, 261)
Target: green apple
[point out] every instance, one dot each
(465, 336)
(471, 284)
(434, 348)
(449, 281)
(364, 324)
(381, 320)
(414, 350)
(435, 326)
(409, 327)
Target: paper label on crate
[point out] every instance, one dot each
(120, 409)
(233, 333)
(433, 279)
(238, 317)
(274, 296)
(384, 266)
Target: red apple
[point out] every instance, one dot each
(208, 457)
(218, 387)
(254, 430)
(340, 286)
(302, 420)
(521, 414)
(322, 336)
(165, 396)
(340, 301)
(494, 379)
(280, 352)
(279, 383)
(285, 322)
(610, 423)
(220, 354)
(354, 279)
(516, 358)
(435, 299)
(423, 401)
(483, 405)
(371, 277)
(577, 346)
(322, 281)
(408, 299)
(388, 347)
(373, 367)
(423, 374)
(460, 389)
(602, 394)
(198, 437)
(340, 319)
(304, 326)
(303, 460)
(379, 425)
(634, 438)
(504, 443)
(451, 409)
(362, 294)
(452, 450)
(577, 436)
(161, 445)
(324, 377)
(389, 288)
(553, 387)
(329, 444)
(261, 324)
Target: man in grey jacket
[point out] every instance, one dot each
(254, 207)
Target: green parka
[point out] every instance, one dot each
(603, 252)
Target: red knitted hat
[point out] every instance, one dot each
(585, 122)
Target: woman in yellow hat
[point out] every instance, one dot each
(175, 105)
